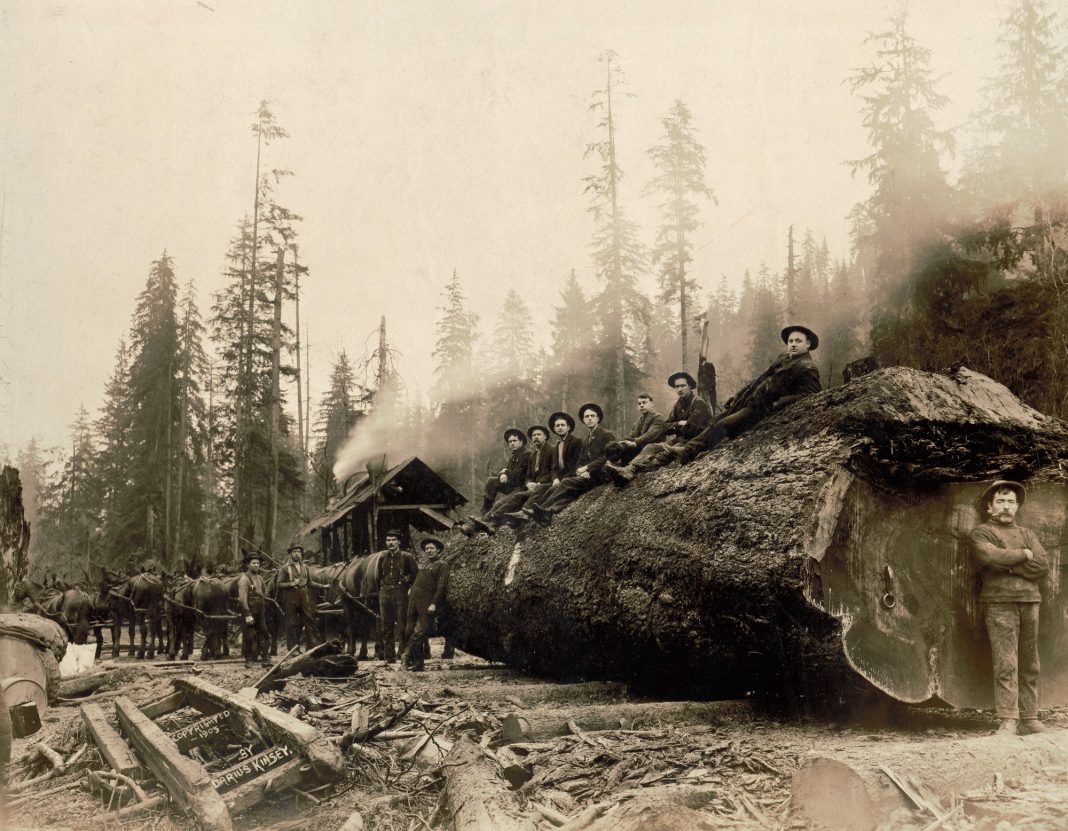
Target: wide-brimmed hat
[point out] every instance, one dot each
(295, 547)
(813, 338)
(684, 375)
(423, 543)
(542, 427)
(565, 416)
(515, 431)
(250, 556)
(1003, 484)
(591, 406)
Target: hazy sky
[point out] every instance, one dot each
(424, 137)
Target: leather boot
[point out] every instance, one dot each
(1007, 727)
(1029, 726)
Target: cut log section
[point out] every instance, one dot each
(479, 798)
(533, 725)
(108, 741)
(821, 554)
(185, 779)
(859, 790)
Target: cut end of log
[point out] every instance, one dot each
(829, 793)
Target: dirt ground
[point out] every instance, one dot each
(396, 781)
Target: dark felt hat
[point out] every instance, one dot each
(813, 338)
(565, 416)
(542, 427)
(435, 540)
(1002, 484)
(295, 547)
(393, 532)
(250, 556)
(515, 431)
(686, 376)
(591, 406)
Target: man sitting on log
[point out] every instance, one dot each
(424, 599)
(1011, 561)
(647, 430)
(689, 416)
(565, 456)
(539, 478)
(511, 475)
(590, 471)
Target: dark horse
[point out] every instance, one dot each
(70, 608)
(358, 587)
(145, 591)
(179, 602)
(209, 597)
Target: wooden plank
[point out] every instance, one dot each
(249, 769)
(188, 783)
(279, 727)
(199, 731)
(245, 796)
(163, 706)
(111, 745)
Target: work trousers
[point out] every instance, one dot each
(620, 454)
(1013, 632)
(494, 489)
(417, 631)
(721, 428)
(255, 640)
(300, 615)
(569, 489)
(393, 617)
(653, 456)
(516, 500)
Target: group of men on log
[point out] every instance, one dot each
(548, 468)
(542, 478)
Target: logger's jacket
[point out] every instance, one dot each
(395, 569)
(540, 465)
(648, 429)
(293, 576)
(431, 585)
(694, 411)
(249, 590)
(516, 470)
(1007, 575)
(787, 375)
(593, 448)
(566, 456)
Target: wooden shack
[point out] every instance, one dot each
(407, 496)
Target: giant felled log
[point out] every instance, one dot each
(825, 550)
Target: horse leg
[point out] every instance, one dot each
(153, 634)
(116, 634)
(99, 630)
(140, 625)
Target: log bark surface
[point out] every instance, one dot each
(479, 798)
(821, 553)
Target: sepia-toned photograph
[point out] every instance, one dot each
(530, 415)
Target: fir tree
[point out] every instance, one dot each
(765, 321)
(339, 411)
(680, 160)
(569, 374)
(513, 392)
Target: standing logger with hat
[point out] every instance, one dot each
(590, 471)
(425, 599)
(251, 600)
(688, 417)
(294, 583)
(1011, 561)
(395, 572)
(510, 477)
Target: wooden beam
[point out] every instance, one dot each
(111, 745)
(188, 783)
(437, 506)
(193, 734)
(250, 768)
(163, 706)
(279, 727)
(246, 795)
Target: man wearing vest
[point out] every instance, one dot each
(539, 478)
(424, 600)
(251, 600)
(589, 473)
(565, 460)
(297, 606)
(648, 429)
(395, 572)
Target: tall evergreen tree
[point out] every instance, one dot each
(680, 161)
(764, 323)
(570, 371)
(513, 393)
(115, 460)
(339, 411)
(618, 258)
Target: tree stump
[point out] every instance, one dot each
(821, 554)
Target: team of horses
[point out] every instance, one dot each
(168, 609)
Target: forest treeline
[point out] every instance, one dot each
(206, 442)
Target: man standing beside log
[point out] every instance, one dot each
(1011, 561)
(689, 416)
(426, 597)
(395, 572)
(294, 583)
(511, 475)
(251, 600)
(648, 429)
